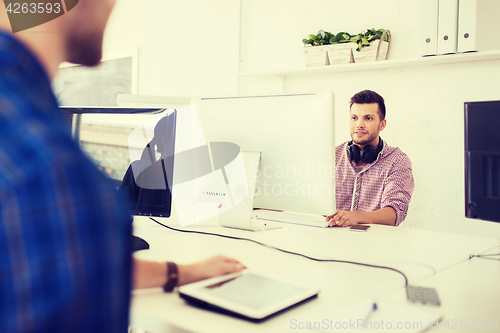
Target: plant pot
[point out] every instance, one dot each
(377, 50)
(341, 53)
(316, 55)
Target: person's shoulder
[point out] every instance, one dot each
(340, 152)
(396, 151)
(339, 148)
(395, 154)
(36, 149)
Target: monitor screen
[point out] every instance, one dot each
(482, 160)
(294, 133)
(134, 148)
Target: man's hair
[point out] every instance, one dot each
(369, 97)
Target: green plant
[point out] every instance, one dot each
(327, 38)
(364, 38)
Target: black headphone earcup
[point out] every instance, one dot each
(354, 153)
(369, 154)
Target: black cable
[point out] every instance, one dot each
(285, 251)
(484, 255)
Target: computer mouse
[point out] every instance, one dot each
(139, 244)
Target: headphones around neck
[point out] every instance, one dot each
(368, 154)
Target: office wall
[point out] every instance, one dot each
(425, 103)
(186, 48)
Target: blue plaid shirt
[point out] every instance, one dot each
(65, 261)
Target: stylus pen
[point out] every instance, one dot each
(372, 310)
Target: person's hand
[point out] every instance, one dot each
(207, 268)
(342, 218)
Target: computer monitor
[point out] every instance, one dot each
(294, 133)
(134, 148)
(482, 160)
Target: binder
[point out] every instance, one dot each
(467, 15)
(478, 25)
(429, 27)
(447, 26)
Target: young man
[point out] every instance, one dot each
(374, 181)
(65, 260)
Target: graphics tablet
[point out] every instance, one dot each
(246, 295)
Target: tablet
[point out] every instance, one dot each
(246, 295)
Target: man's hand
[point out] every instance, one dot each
(151, 274)
(207, 268)
(342, 218)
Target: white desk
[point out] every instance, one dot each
(419, 254)
(469, 294)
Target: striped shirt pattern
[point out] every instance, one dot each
(387, 182)
(65, 257)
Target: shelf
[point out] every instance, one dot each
(398, 63)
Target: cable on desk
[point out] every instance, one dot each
(303, 251)
(484, 255)
(285, 251)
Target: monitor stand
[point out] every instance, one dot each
(240, 217)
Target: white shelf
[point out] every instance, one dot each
(424, 61)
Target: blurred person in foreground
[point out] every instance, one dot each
(65, 257)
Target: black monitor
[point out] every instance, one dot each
(482, 160)
(134, 148)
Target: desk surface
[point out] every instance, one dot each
(419, 254)
(469, 294)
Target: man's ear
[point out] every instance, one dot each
(382, 125)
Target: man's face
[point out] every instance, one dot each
(85, 29)
(365, 123)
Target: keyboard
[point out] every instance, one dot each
(312, 220)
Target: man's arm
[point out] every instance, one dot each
(151, 274)
(398, 188)
(342, 218)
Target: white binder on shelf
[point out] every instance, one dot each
(467, 15)
(429, 27)
(447, 26)
(478, 25)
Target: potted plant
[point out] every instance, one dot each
(372, 45)
(341, 50)
(326, 48)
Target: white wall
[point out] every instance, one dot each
(186, 48)
(191, 48)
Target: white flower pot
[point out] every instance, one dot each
(316, 55)
(341, 53)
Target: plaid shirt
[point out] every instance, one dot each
(64, 238)
(387, 182)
